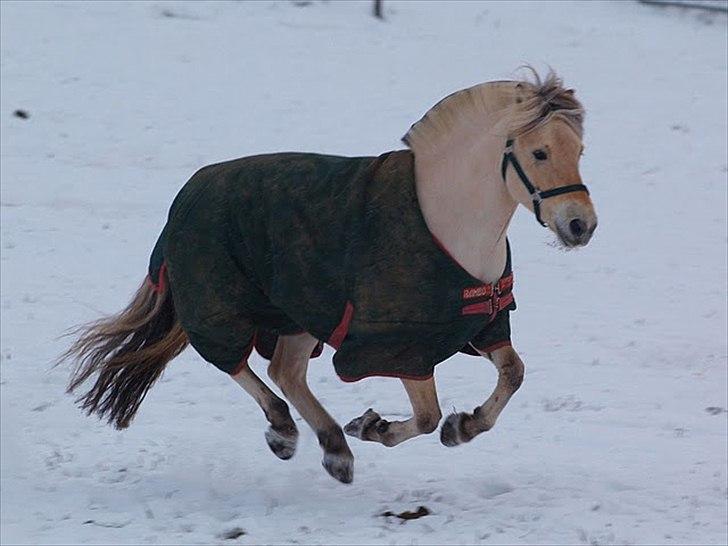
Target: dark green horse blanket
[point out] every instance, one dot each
(291, 242)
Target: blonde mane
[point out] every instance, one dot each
(521, 105)
(543, 100)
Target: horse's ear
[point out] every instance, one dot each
(519, 93)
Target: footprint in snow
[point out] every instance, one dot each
(232, 534)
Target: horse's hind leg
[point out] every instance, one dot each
(371, 427)
(288, 370)
(459, 428)
(282, 434)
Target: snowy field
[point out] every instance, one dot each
(618, 435)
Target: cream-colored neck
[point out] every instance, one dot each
(468, 208)
(463, 199)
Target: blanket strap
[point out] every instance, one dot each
(499, 296)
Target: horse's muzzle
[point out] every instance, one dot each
(576, 231)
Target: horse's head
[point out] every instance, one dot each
(541, 161)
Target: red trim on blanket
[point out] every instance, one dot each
(445, 250)
(349, 379)
(161, 285)
(246, 356)
(339, 333)
(495, 346)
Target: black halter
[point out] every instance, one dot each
(536, 195)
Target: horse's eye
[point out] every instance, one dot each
(540, 155)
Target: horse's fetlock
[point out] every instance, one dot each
(382, 426)
(427, 423)
(282, 441)
(468, 427)
(371, 425)
(333, 441)
(364, 427)
(278, 411)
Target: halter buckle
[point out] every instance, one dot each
(495, 299)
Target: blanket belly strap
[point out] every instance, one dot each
(487, 307)
(499, 296)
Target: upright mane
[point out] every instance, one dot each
(543, 100)
(521, 106)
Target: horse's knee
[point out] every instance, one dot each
(514, 373)
(428, 422)
(288, 383)
(283, 376)
(288, 366)
(278, 411)
(511, 368)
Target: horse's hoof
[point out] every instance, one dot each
(282, 443)
(359, 426)
(457, 429)
(449, 431)
(340, 466)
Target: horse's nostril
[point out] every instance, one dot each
(577, 227)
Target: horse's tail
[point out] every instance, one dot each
(129, 351)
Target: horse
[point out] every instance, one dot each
(397, 262)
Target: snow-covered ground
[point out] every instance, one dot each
(618, 434)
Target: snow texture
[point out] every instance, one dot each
(618, 435)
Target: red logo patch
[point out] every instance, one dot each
(477, 292)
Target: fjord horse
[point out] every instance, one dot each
(472, 159)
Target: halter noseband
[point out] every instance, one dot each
(535, 194)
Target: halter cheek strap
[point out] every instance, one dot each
(534, 193)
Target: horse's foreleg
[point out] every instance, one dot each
(423, 397)
(288, 370)
(459, 428)
(282, 434)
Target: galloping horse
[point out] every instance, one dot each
(397, 261)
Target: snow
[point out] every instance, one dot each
(610, 439)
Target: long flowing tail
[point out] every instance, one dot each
(128, 351)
